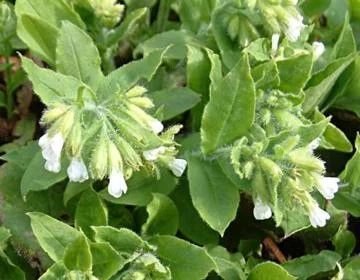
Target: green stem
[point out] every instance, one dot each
(163, 14)
(9, 97)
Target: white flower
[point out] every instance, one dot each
(51, 151)
(262, 211)
(328, 186)
(178, 166)
(77, 171)
(117, 185)
(293, 27)
(274, 43)
(153, 154)
(318, 49)
(317, 216)
(315, 143)
(52, 166)
(156, 126)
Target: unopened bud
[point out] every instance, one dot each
(271, 169)
(142, 102)
(302, 157)
(53, 114)
(249, 169)
(136, 91)
(99, 160)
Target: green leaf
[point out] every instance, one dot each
(348, 198)
(127, 27)
(190, 223)
(191, 20)
(197, 78)
(10, 271)
(214, 196)
(77, 56)
(294, 72)
(344, 242)
(227, 268)
(231, 109)
(22, 156)
(122, 79)
(52, 234)
(334, 138)
(90, 211)
(348, 98)
(122, 240)
(77, 255)
(314, 7)
(259, 49)
(345, 44)
(266, 75)
(37, 178)
(52, 11)
(321, 83)
(185, 260)
(269, 271)
(352, 270)
(39, 36)
(174, 40)
(106, 261)
(55, 272)
(310, 265)
(74, 188)
(163, 216)
(50, 86)
(174, 101)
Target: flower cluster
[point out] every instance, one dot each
(279, 163)
(109, 141)
(108, 11)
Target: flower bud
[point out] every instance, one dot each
(136, 91)
(248, 169)
(142, 102)
(302, 157)
(271, 169)
(75, 140)
(53, 114)
(99, 160)
(114, 156)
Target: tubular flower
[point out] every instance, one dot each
(328, 186)
(317, 216)
(178, 166)
(262, 211)
(77, 171)
(51, 151)
(156, 126)
(117, 185)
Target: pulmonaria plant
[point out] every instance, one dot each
(104, 131)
